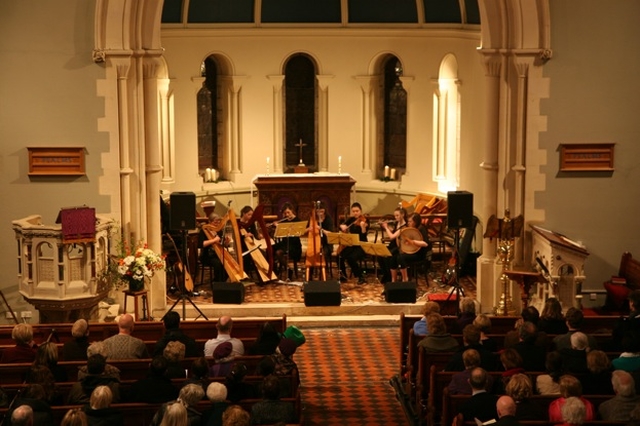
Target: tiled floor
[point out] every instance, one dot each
(345, 375)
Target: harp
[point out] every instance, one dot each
(264, 266)
(232, 262)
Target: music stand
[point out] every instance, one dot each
(286, 230)
(526, 279)
(376, 250)
(457, 289)
(344, 239)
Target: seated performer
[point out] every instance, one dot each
(288, 248)
(356, 224)
(208, 256)
(390, 264)
(249, 231)
(415, 221)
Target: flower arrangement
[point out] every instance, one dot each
(133, 266)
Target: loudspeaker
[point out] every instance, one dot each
(460, 209)
(322, 293)
(402, 292)
(229, 293)
(183, 211)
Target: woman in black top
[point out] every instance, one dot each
(415, 221)
(356, 224)
(551, 320)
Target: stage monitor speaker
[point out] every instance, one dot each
(402, 292)
(183, 211)
(227, 292)
(459, 209)
(322, 293)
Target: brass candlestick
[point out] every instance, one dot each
(505, 253)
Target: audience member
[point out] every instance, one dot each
(41, 375)
(34, 397)
(47, 355)
(420, 327)
(74, 417)
(629, 359)
(25, 348)
(76, 349)
(471, 340)
(466, 316)
(123, 345)
(506, 408)
(574, 319)
(190, 395)
(81, 391)
(618, 408)
(627, 325)
(156, 387)
(549, 383)
(551, 319)
(174, 354)
(100, 412)
(438, 340)
(482, 404)
(22, 416)
(235, 415)
(528, 314)
(199, 373)
(271, 409)
(533, 355)
(574, 359)
(520, 390)
(267, 341)
(284, 357)
(98, 348)
(173, 333)
(573, 412)
(460, 381)
(483, 322)
(224, 327)
(598, 381)
(222, 360)
(237, 388)
(569, 386)
(217, 395)
(175, 415)
(512, 364)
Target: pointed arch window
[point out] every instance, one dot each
(208, 117)
(393, 135)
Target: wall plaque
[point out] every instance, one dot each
(56, 161)
(586, 157)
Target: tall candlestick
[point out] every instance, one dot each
(393, 174)
(386, 171)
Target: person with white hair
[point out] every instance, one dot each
(618, 408)
(217, 395)
(573, 412)
(76, 349)
(189, 396)
(99, 410)
(574, 359)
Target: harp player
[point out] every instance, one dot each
(208, 256)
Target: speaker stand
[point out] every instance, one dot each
(457, 289)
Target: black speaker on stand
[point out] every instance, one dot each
(322, 293)
(400, 292)
(228, 292)
(459, 216)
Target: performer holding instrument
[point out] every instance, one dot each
(208, 256)
(288, 247)
(414, 245)
(324, 223)
(356, 224)
(250, 234)
(316, 255)
(390, 264)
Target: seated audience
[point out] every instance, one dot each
(460, 381)
(267, 341)
(156, 387)
(199, 373)
(549, 383)
(25, 348)
(173, 333)
(471, 340)
(529, 314)
(41, 375)
(512, 364)
(222, 360)
(466, 316)
(81, 391)
(506, 408)
(99, 411)
(47, 355)
(533, 355)
(224, 327)
(573, 412)
(123, 345)
(217, 395)
(237, 388)
(76, 349)
(574, 319)
(189, 396)
(483, 322)
(271, 409)
(235, 415)
(551, 319)
(482, 404)
(22, 416)
(574, 359)
(74, 417)
(98, 348)
(175, 415)
(569, 386)
(420, 327)
(618, 408)
(174, 354)
(629, 359)
(438, 340)
(34, 397)
(520, 390)
(284, 357)
(598, 380)
(629, 324)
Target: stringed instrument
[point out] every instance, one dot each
(264, 266)
(314, 257)
(406, 238)
(188, 281)
(232, 264)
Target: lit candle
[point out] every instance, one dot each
(393, 174)
(386, 171)
(214, 175)
(268, 162)
(339, 164)
(207, 174)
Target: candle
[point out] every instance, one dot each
(207, 174)
(339, 164)
(386, 171)
(393, 174)
(268, 162)
(214, 175)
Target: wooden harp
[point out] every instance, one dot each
(232, 263)
(264, 266)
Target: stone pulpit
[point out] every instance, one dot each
(561, 260)
(59, 277)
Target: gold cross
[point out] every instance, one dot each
(300, 144)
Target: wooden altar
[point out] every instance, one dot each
(302, 189)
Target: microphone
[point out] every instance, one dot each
(544, 268)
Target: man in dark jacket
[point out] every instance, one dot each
(173, 333)
(156, 387)
(80, 392)
(481, 405)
